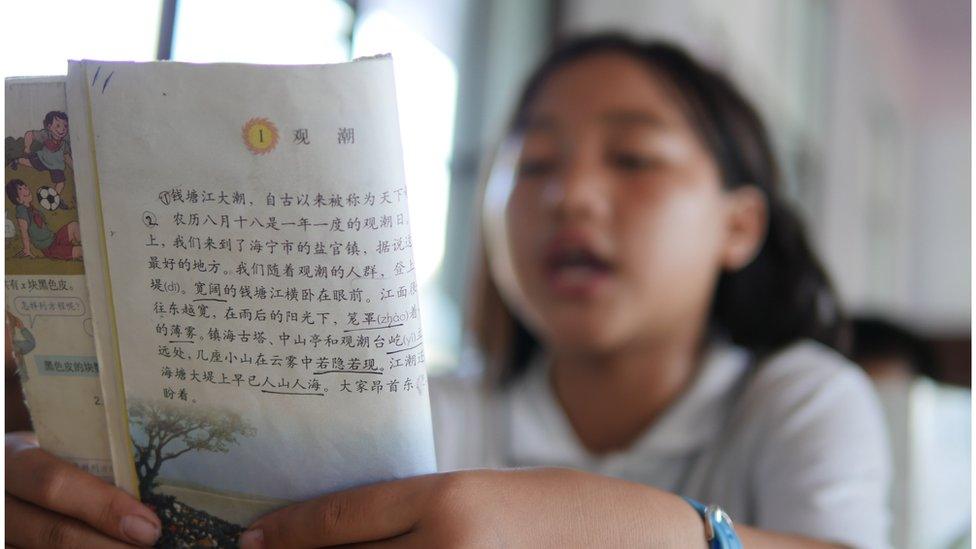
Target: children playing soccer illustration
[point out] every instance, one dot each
(65, 243)
(49, 150)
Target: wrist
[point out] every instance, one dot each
(654, 517)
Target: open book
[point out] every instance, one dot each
(253, 302)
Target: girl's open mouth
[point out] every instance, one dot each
(576, 270)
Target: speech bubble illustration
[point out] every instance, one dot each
(31, 307)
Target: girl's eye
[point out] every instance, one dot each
(536, 167)
(633, 161)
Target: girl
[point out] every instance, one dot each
(654, 325)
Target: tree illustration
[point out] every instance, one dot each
(171, 431)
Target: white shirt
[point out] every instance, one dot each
(797, 446)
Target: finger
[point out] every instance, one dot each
(370, 513)
(28, 526)
(38, 477)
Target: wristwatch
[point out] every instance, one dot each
(719, 531)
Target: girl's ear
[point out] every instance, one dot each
(746, 221)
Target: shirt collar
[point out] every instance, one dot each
(540, 432)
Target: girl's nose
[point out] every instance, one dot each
(578, 191)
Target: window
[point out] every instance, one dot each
(280, 32)
(426, 82)
(39, 38)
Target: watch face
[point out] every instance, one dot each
(719, 531)
(721, 516)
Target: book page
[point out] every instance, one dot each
(48, 314)
(260, 280)
(89, 214)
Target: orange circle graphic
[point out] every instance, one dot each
(260, 135)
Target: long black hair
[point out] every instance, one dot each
(782, 296)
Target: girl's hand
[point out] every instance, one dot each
(528, 507)
(52, 503)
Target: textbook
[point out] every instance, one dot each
(48, 314)
(253, 300)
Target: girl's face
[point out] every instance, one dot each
(617, 224)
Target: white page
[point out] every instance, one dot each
(170, 157)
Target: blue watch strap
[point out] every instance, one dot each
(724, 536)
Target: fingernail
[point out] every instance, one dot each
(140, 530)
(252, 539)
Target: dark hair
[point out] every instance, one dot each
(878, 338)
(782, 296)
(49, 117)
(12, 186)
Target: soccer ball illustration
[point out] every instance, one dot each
(48, 198)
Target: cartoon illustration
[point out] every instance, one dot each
(48, 198)
(22, 338)
(48, 150)
(65, 243)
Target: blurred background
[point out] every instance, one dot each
(868, 103)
